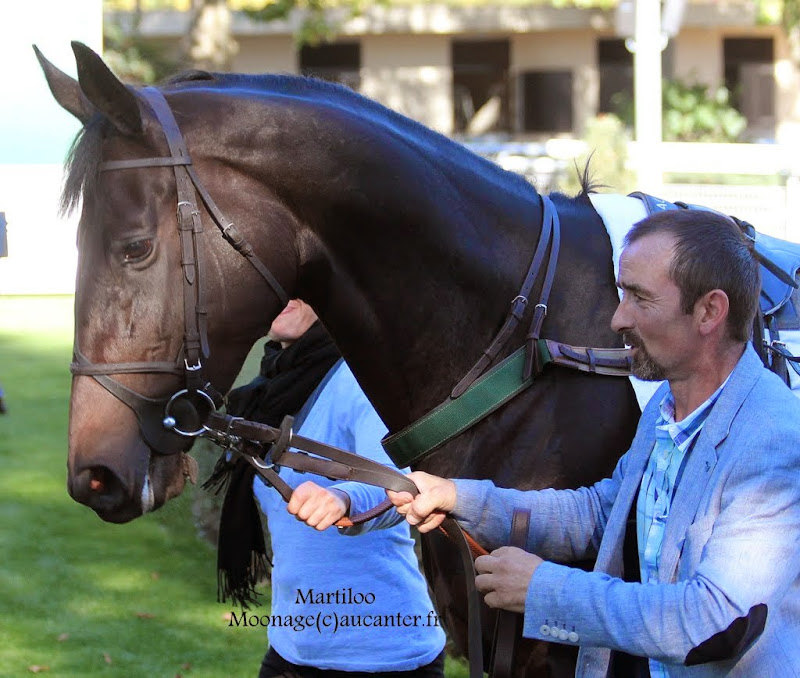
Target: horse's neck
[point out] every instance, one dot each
(411, 328)
(412, 305)
(410, 250)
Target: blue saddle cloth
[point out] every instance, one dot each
(777, 297)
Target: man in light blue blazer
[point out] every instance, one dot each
(706, 501)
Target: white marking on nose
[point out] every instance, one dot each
(147, 495)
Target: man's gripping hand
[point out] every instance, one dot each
(436, 498)
(504, 576)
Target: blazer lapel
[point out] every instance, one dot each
(696, 474)
(703, 459)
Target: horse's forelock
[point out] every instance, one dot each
(82, 163)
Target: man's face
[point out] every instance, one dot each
(292, 322)
(649, 316)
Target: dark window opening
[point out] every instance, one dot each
(480, 86)
(749, 76)
(615, 65)
(547, 101)
(338, 62)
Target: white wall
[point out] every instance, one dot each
(266, 54)
(410, 74)
(35, 134)
(698, 56)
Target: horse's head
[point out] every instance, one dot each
(161, 307)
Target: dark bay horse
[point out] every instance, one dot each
(409, 247)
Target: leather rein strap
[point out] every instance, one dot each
(267, 449)
(508, 624)
(166, 423)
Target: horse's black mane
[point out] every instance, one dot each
(189, 76)
(85, 154)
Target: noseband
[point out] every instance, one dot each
(168, 424)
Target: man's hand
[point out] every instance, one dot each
(318, 507)
(504, 576)
(436, 498)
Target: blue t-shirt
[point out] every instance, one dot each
(338, 602)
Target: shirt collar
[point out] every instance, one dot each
(684, 430)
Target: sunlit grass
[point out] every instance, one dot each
(79, 597)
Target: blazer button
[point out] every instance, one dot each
(544, 629)
(554, 632)
(573, 637)
(563, 635)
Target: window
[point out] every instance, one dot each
(615, 66)
(749, 64)
(338, 62)
(480, 86)
(547, 101)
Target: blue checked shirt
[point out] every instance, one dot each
(673, 444)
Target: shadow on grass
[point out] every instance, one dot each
(79, 597)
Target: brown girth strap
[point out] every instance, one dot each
(615, 362)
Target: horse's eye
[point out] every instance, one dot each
(137, 250)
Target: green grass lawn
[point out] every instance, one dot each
(79, 597)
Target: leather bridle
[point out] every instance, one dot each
(167, 424)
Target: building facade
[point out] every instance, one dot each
(527, 71)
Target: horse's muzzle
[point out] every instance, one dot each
(99, 488)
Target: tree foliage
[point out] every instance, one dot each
(790, 20)
(136, 60)
(786, 14)
(316, 22)
(691, 112)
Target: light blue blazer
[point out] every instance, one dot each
(728, 598)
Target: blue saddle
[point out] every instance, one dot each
(777, 297)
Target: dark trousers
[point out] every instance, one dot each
(275, 666)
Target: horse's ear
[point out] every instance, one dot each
(66, 90)
(108, 94)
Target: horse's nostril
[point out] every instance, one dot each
(105, 489)
(102, 490)
(98, 479)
